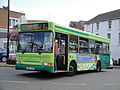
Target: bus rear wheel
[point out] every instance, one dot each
(72, 69)
(98, 67)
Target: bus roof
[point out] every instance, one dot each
(73, 31)
(80, 33)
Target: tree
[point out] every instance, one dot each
(13, 35)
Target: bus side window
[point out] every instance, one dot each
(92, 46)
(105, 48)
(98, 48)
(108, 49)
(84, 45)
(73, 44)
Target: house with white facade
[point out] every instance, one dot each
(107, 25)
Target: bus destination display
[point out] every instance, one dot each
(34, 26)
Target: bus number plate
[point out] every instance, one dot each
(30, 68)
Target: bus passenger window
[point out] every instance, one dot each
(73, 44)
(92, 46)
(84, 46)
(105, 48)
(98, 48)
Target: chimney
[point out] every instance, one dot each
(5, 7)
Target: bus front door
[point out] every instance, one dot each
(61, 51)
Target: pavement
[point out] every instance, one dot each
(3, 64)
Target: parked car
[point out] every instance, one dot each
(111, 63)
(3, 55)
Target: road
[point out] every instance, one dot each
(11, 79)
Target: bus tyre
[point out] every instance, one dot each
(72, 69)
(98, 66)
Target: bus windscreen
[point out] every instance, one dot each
(39, 42)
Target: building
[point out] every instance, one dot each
(107, 25)
(15, 18)
(78, 25)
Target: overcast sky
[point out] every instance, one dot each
(62, 11)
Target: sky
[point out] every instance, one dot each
(62, 11)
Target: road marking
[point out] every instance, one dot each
(111, 84)
(7, 68)
(74, 84)
(6, 81)
(83, 84)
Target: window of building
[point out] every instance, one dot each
(109, 35)
(10, 24)
(16, 22)
(13, 22)
(97, 26)
(119, 37)
(109, 24)
(73, 43)
(119, 24)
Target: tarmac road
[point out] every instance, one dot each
(11, 79)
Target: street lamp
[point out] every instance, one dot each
(8, 30)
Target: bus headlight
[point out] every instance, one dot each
(18, 62)
(47, 64)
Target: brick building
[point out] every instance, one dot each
(15, 18)
(78, 25)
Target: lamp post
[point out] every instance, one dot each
(8, 29)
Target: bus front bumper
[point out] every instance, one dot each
(34, 68)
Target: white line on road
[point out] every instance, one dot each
(111, 84)
(77, 84)
(6, 81)
(7, 68)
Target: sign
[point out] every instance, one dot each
(85, 58)
(34, 26)
(30, 68)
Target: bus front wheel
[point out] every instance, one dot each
(72, 69)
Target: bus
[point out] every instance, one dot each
(50, 47)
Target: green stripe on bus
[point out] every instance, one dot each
(58, 27)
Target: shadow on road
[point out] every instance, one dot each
(43, 76)
(50, 76)
(88, 72)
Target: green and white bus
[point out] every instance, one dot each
(47, 46)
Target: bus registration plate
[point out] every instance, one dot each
(30, 68)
